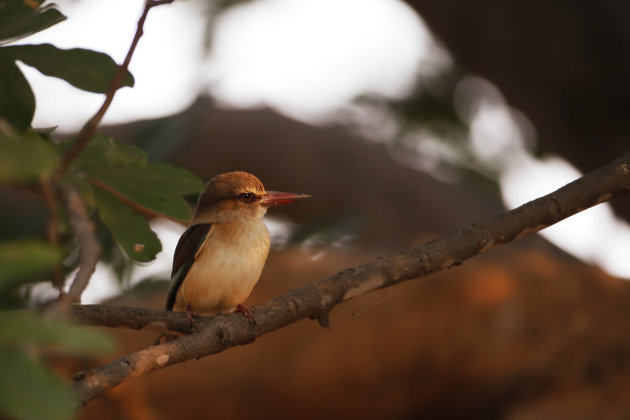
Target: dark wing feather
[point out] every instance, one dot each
(187, 247)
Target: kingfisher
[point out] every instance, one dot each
(219, 258)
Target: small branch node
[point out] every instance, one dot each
(222, 335)
(324, 320)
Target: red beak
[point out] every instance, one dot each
(277, 198)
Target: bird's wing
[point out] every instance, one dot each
(185, 253)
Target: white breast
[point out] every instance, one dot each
(226, 268)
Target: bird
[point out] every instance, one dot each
(219, 258)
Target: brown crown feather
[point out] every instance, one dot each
(229, 185)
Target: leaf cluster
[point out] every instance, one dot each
(85, 69)
(119, 188)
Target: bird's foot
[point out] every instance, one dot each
(190, 316)
(245, 311)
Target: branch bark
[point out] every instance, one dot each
(89, 246)
(219, 332)
(141, 319)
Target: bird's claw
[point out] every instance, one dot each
(245, 311)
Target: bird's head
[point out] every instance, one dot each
(236, 195)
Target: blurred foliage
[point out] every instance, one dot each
(117, 184)
(26, 157)
(25, 327)
(30, 390)
(21, 18)
(426, 108)
(22, 262)
(127, 227)
(329, 232)
(124, 169)
(431, 135)
(85, 69)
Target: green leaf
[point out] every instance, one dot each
(26, 157)
(18, 328)
(24, 260)
(156, 178)
(104, 149)
(156, 186)
(85, 69)
(130, 230)
(30, 390)
(18, 19)
(17, 102)
(123, 168)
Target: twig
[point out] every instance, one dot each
(52, 226)
(89, 128)
(89, 247)
(314, 301)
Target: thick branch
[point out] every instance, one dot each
(217, 333)
(143, 319)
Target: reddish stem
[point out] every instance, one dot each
(89, 128)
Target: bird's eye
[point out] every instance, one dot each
(246, 197)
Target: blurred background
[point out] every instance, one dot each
(405, 121)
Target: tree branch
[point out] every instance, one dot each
(89, 246)
(142, 319)
(52, 226)
(217, 333)
(89, 128)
